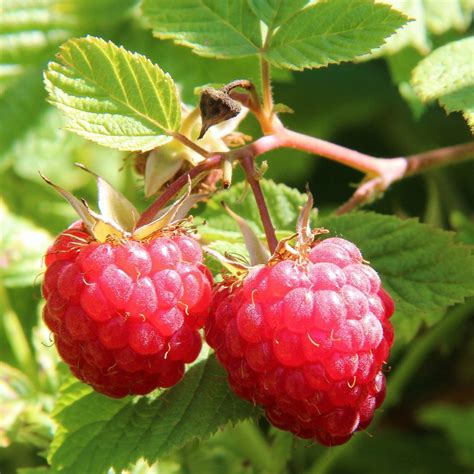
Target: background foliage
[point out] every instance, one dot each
(387, 103)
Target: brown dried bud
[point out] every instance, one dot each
(216, 106)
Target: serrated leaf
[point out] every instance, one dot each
(331, 32)
(81, 208)
(447, 75)
(457, 422)
(96, 433)
(422, 268)
(210, 27)
(178, 61)
(22, 246)
(275, 12)
(112, 96)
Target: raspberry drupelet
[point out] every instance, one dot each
(126, 314)
(306, 338)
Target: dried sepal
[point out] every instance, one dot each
(257, 251)
(303, 224)
(114, 207)
(165, 217)
(113, 224)
(78, 205)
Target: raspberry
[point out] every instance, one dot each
(306, 338)
(126, 315)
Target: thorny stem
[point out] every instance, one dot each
(249, 168)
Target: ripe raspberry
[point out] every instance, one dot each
(126, 315)
(306, 338)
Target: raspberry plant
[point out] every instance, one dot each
(208, 317)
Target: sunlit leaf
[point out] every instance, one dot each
(112, 96)
(209, 27)
(331, 32)
(447, 75)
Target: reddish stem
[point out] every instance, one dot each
(248, 165)
(176, 186)
(360, 161)
(381, 171)
(439, 157)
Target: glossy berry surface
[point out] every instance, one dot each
(307, 340)
(125, 316)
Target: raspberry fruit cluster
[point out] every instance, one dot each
(306, 338)
(125, 315)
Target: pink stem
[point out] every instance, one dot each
(383, 171)
(441, 156)
(360, 161)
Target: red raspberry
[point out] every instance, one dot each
(126, 315)
(307, 338)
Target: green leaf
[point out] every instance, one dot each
(178, 61)
(275, 12)
(31, 30)
(22, 246)
(447, 75)
(210, 27)
(22, 106)
(457, 422)
(283, 204)
(331, 32)
(112, 96)
(464, 227)
(96, 433)
(422, 268)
